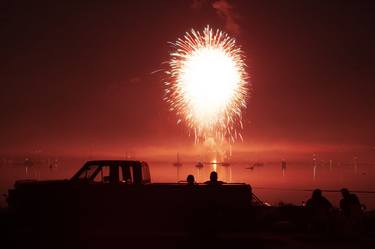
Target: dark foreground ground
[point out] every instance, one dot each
(276, 227)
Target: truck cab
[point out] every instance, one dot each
(114, 172)
(117, 195)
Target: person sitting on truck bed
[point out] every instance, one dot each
(190, 180)
(213, 179)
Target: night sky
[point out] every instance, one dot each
(80, 74)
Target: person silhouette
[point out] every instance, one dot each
(352, 212)
(213, 179)
(318, 202)
(350, 204)
(190, 180)
(319, 209)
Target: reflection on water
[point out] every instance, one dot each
(283, 167)
(355, 164)
(290, 183)
(314, 172)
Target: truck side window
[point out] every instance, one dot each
(103, 175)
(113, 174)
(126, 174)
(88, 172)
(145, 173)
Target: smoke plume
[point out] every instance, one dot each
(224, 10)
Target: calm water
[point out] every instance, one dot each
(270, 183)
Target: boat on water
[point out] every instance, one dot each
(199, 165)
(178, 162)
(254, 165)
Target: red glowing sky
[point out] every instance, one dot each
(78, 75)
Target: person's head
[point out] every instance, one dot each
(190, 179)
(213, 176)
(317, 193)
(345, 192)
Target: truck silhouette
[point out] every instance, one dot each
(117, 195)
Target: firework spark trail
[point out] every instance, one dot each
(207, 84)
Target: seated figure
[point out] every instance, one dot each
(213, 179)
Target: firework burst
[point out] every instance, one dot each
(207, 84)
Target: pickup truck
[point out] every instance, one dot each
(117, 195)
